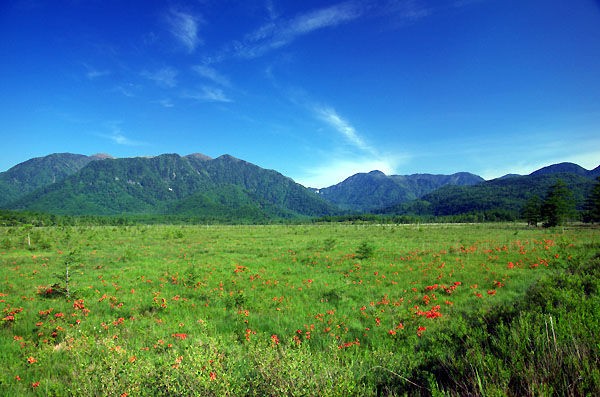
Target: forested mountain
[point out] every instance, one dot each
(194, 186)
(567, 168)
(367, 192)
(502, 198)
(38, 172)
(197, 187)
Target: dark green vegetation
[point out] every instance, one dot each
(193, 186)
(198, 189)
(375, 190)
(499, 199)
(338, 310)
(37, 173)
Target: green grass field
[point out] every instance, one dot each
(488, 309)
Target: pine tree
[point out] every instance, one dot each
(559, 205)
(532, 210)
(592, 204)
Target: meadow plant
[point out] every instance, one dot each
(300, 310)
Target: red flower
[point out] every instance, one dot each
(213, 375)
(35, 384)
(275, 339)
(420, 330)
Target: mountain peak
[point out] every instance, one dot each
(199, 156)
(562, 168)
(101, 156)
(376, 173)
(228, 157)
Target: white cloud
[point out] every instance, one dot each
(184, 27)
(278, 33)
(116, 135)
(93, 73)
(166, 103)
(342, 162)
(212, 74)
(342, 126)
(165, 77)
(208, 94)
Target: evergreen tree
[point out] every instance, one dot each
(559, 205)
(532, 211)
(592, 204)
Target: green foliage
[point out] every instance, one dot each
(489, 309)
(592, 204)
(532, 211)
(223, 190)
(365, 250)
(502, 199)
(558, 206)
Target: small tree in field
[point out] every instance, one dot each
(558, 206)
(592, 204)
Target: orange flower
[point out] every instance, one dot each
(275, 339)
(35, 384)
(31, 360)
(213, 375)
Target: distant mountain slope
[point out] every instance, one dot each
(562, 168)
(370, 191)
(37, 172)
(229, 189)
(194, 186)
(502, 195)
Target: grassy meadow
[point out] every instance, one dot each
(337, 309)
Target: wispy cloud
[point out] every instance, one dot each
(208, 94)
(342, 161)
(184, 27)
(343, 127)
(93, 73)
(117, 136)
(278, 33)
(212, 74)
(165, 77)
(166, 103)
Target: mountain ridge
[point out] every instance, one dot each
(229, 188)
(167, 184)
(365, 192)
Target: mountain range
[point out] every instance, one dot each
(229, 189)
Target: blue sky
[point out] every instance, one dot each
(317, 90)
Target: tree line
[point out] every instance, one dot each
(558, 206)
(555, 208)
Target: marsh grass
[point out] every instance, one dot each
(301, 310)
